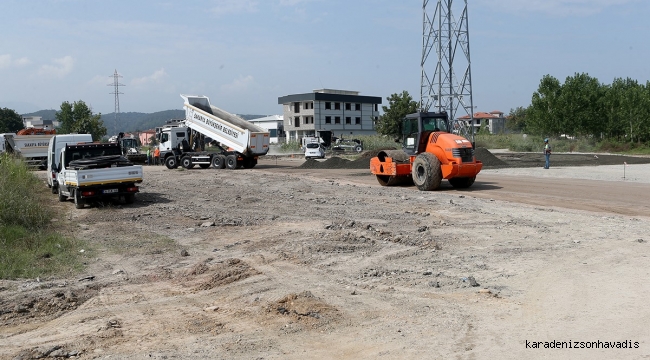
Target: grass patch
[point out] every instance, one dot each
(29, 245)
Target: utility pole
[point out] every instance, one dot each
(116, 84)
(447, 38)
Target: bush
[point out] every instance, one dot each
(20, 190)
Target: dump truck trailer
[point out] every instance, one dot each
(32, 148)
(182, 142)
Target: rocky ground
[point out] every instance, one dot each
(297, 260)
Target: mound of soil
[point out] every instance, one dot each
(488, 159)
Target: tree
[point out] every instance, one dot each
(10, 121)
(516, 120)
(544, 116)
(78, 118)
(399, 105)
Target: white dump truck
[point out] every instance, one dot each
(87, 172)
(32, 148)
(182, 142)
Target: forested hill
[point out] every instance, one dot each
(133, 121)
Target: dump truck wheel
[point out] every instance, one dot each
(231, 162)
(249, 163)
(219, 162)
(426, 172)
(186, 162)
(171, 162)
(78, 201)
(462, 182)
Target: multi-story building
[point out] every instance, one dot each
(494, 121)
(345, 113)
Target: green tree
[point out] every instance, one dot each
(399, 105)
(545, 114)
(10, 121)
(516, 120)
(78, 118)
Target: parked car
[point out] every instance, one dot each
(314, 150)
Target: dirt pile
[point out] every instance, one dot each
(488, 159)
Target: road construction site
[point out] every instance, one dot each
(299, 259)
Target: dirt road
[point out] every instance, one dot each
(281, 262)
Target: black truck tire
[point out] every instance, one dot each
(186, 162)
(231, 162)
(426, 172)
(462, 182)
(249, 162)
(78, 201)
(219, 161)
(171, 162)
(62, 197)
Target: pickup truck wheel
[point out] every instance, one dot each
(231, 162)
(186, 162)
(129, 198)
(426, 172)
(62, 197)
(78, 201)
(462, 182)
(54, 189)
(171, 162)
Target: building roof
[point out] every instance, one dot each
(481, 115)
(339, 96)
(268, 118)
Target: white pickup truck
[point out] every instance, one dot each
(89, 172)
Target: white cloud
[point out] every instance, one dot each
(223, 7)
(6, 61)
(154, 78)
(240, 84)
(60, 67)
(558, 7)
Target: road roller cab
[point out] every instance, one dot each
(430, 153)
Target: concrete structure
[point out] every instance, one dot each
(494, 121)
(38, 123)
(274, 124)
(345, 113)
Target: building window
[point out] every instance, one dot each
(296, 121)
(348, 106)
(348, 120)
(337, 106)
(328, 106)
(357, 120)
(296, 107)
(328, 119)
(337, 119)
(357, 107)
(376, 107)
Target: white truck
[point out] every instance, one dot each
(32, 148)
(57, 143)
(87, 172)
(182, 143)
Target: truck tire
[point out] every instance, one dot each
(186, 162)
(219, 162)
(462, 182)
(358, 148)
(426, 172)
(171, 162)
(78, 201)
(249, 163)
(54, 189)
(129, 198)
(62, 197)
(231, 162)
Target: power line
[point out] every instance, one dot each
(116, 84)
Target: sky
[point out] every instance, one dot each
(244, 54)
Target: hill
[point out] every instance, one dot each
(133, 121)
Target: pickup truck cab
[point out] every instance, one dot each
(88, 172)
(58, 142)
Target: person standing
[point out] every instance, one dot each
(547, 153)
(156, 156)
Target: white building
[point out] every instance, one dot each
(343, 112)
(274, 124)
(38, 123)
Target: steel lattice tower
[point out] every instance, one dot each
(448, 38)
(116, 84)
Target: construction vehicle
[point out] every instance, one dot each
(130, 148)
(430, 153)
(347, 145)
(238, 141)
(29, 144)
(93, 171)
